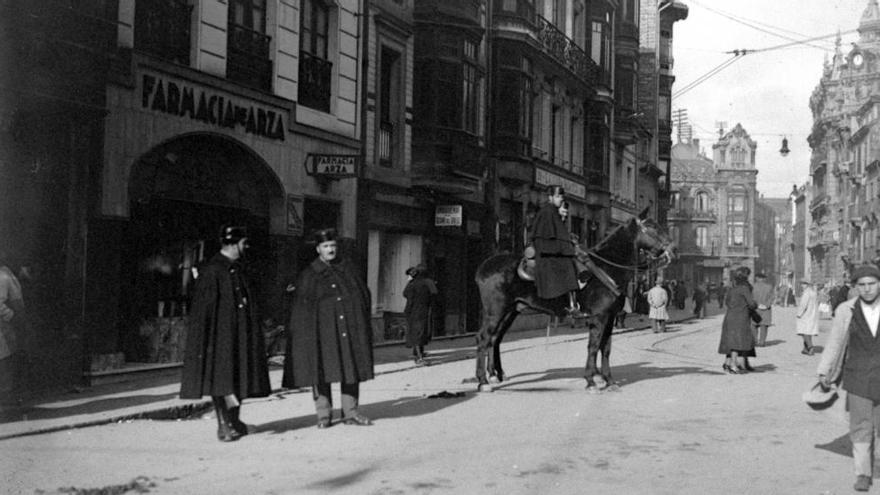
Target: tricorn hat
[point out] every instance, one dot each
(231, 234)
(819, 397)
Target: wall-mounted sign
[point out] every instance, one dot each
(186, 99)
(571, 187)
(294, 219)
(332, 166)
(447, 216)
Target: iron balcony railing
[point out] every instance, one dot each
(386, 135)
(566, 51)
(248, 61)
(314, 81)
(162, 29)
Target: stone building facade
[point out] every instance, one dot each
(845, 152)
(713, 208)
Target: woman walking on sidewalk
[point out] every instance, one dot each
(737, 341)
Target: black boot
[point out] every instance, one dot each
(574, 309)
(225, 431)
(237, 424)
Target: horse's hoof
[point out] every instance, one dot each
(485, 387)
(613, 388)
(593, 389)
(494, 379)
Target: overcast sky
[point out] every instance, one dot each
(767, 92)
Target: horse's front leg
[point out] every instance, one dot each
(591, 370)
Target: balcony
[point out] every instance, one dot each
(162, 29)
(248, 61)
(565, 51)
(446, 159)
(314, 81)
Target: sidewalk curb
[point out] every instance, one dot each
(199, 407)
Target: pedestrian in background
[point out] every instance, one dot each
(330, 337)
(419, 292)
(680, 294)
(764, 297)
(225, 353)
(737, 342)
(658, 298)
(853, 338)
(699, 298)
(808, 316)
(14, 333)
(722, 293)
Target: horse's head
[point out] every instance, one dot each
(653, 239)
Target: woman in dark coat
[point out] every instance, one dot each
(555, 272)
(419, 294)
(225, 353)
(331, 339)
(737, 340)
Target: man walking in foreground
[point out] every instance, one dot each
(853, 339)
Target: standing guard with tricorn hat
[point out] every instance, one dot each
(225, 353)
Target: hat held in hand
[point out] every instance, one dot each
(819, 397)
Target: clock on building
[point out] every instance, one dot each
(857, 60)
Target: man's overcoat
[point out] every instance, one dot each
(225, 350)
(330, 335)
(555, 272)
(419, 294)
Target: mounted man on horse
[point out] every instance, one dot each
(599, 274)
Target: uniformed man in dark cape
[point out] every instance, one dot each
(225, 352)
(555, 270)
(331, 339)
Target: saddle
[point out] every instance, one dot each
(587, 270)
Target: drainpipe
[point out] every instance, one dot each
(361, 196)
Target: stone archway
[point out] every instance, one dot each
(181, 192)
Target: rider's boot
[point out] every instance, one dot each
(574, 309)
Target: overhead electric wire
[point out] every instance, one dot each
(696, 82)
(754, 25)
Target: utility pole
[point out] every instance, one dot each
(680, 117)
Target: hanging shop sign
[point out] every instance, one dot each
(185, 99)
(571, 187)
(447, 216)
(332, 166)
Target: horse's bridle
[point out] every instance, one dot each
(666, 256)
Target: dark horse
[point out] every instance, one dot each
(505, 294)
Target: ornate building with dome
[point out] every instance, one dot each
(845, 206)
(714, 205)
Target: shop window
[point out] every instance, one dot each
(248, 61)
(315, 67)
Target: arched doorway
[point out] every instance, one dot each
(181, 192)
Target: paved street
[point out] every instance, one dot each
(678, 426)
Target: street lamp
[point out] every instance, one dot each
(784, 151)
